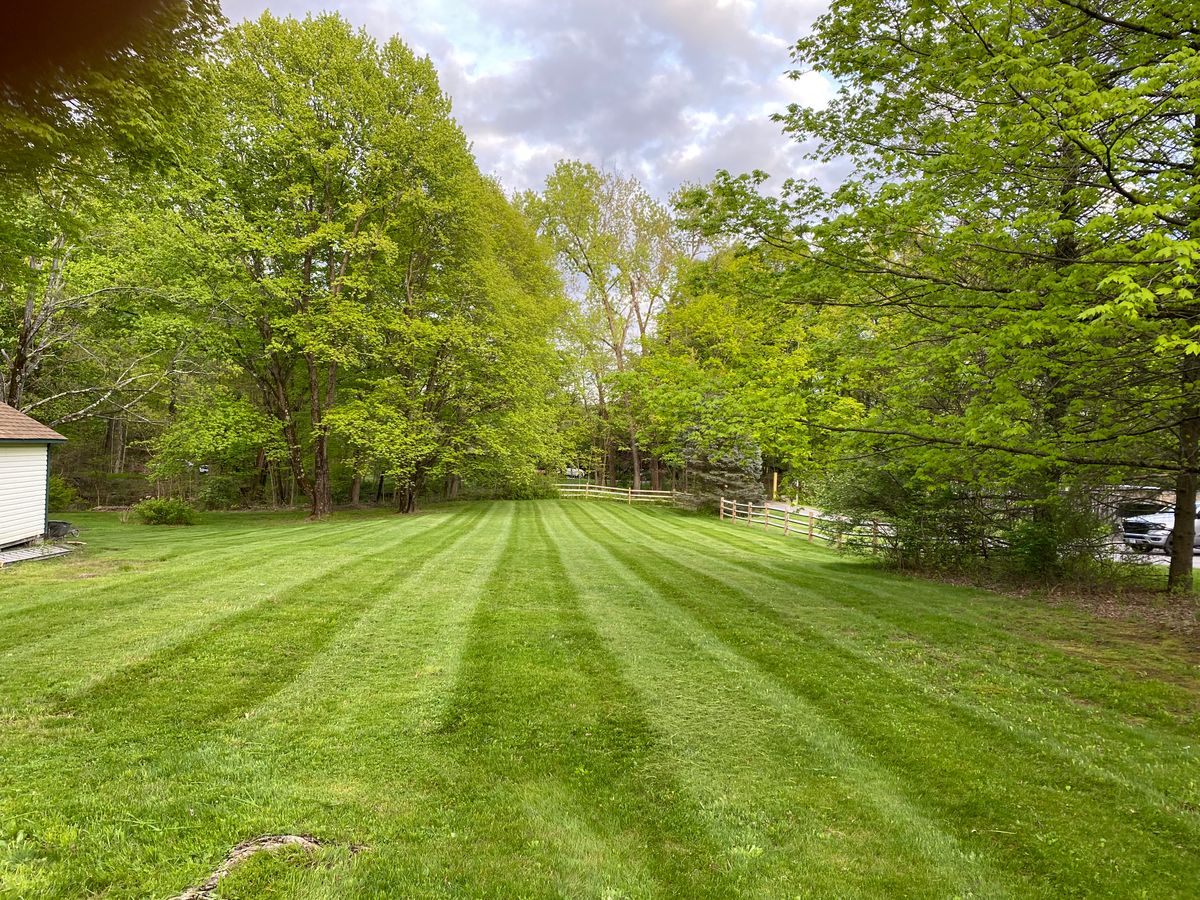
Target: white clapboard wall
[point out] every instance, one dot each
(22, 492)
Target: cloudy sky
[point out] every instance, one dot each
(668, 90)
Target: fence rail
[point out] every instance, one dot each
(807, 523)
(629, 495)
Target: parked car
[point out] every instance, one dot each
(1152, 531)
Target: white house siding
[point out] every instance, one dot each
(22, 492)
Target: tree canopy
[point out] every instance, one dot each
(267, 251)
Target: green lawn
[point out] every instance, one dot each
(573, 699)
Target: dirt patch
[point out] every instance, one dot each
(242, 852)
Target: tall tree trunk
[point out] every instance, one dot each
(322, 493)
(275, 394)
(300, 484)
(114, 444)
(262, 474)
(635, 457)
(355, 489)
(379, 490)
(1183, 535)
(655, 473)
(15, 389)
(609, 477)
(321, 503)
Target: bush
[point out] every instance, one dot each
(63, 495)
(539, 487)
(1061, 537)
(166, 512)
(220, 491)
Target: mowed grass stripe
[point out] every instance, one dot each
(177, 693)
(777, 778)
(1043, 695)
(986, 616)
(235, 662)
(361, 725)
(1012, 626)
(178, 700)
(1044, 702)
(967, 774)
(213, 781)
(81, 647)
(951, 669)
(574, 797)
(402, 656)
(568, 699)
(81, 588)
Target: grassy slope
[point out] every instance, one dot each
(573, 699)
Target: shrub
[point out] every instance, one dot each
(63, 495)
(539, 487)
(166, 512)
(220, 492)
(1061, 537)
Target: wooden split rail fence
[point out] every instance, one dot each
(629, 495)
(800, 521)
(807, 523)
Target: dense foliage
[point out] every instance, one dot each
(284, 280)
(166, 511)
(992, 319)
(322, 289)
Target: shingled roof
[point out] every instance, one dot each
(16, 426)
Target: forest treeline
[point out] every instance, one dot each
(266, 251)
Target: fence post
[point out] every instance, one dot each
(631, 495)
(874, 536)
(787, 519)
(810, 526)
(722, 509)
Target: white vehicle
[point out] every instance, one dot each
(1152, 531)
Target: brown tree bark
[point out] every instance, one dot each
(321, 504)
(261, 472)
(1183, 535)
(274, 384)
(635, 457)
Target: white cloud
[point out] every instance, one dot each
(670, 90)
